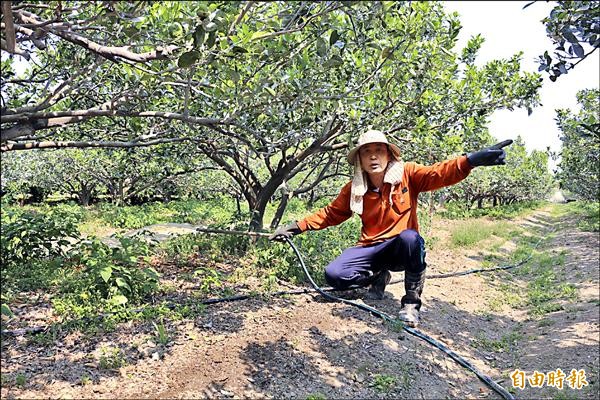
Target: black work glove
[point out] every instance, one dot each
(285, 232)
(493, 155)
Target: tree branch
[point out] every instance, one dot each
(239, 18)
(65, 144)
(30, 122)
(109, 52)
(9, 27)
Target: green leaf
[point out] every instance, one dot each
(334, 37)
(7, 311)
(271, 91)
(119, 299)
(386, 52)
(199, 35)
(188, 58)
(567, 34)
(105, 273)
(122, 283)
(321, 47)
(446, 51)
(334, 61)
(239, 50)
(152, 273)
(259, 35)
(212, 38)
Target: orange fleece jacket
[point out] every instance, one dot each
(382, 219)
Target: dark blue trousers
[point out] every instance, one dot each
(357, 265)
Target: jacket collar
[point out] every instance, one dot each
(393, 175)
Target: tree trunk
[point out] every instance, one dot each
(480, 203)
(258, 214)
(85, 193)
(285, 197)
(238, 205)
(311, 200)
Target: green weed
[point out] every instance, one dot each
(405, 371)
(211, 280)
(115, 272)
(588, 214)
(316, 396)
(545, 288)
(504, 344)
(468, 233)
(42, 339)
(161, 334)
(111, 358)
(383, 383)
(20, 380)
(545, 322)
(85, 380)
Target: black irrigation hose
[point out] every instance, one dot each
(486, 379)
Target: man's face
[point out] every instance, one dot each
(374, 157)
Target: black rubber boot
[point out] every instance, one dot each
(377, 289)
(411, 301)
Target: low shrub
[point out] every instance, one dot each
(116, 273)
(29, 236)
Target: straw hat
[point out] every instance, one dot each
(373, 136)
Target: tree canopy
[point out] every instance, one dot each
(579, 167)
(268, 91)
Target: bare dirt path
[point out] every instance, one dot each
(307, 348)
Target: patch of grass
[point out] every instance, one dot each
(111, 358)
(546, 322)
(95, 226)
(316, 396)
(42, 339)
(588, 214)
(508, 295)
(504, 344)
(211, 280)
(546, 288)
(486, 315)
(470, 232)
(495, 304)
(20, 380)
(511, 295)
(383, 383)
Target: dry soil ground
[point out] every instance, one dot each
(304, 347)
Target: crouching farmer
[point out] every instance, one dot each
(384, 193)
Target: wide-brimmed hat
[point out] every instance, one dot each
(372, 136)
